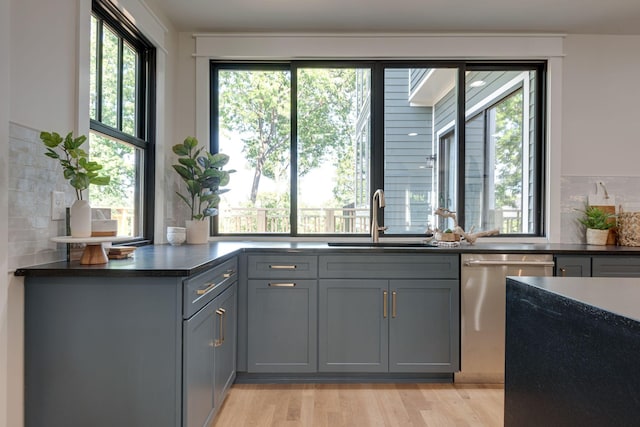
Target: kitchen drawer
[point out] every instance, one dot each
(201, 289)
(615, 266)
(396, 266)
(290, 266)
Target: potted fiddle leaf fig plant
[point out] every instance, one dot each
(81, 173)
(203, 174)
(598, 223)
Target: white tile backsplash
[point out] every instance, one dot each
(575, 191)
(32, 178)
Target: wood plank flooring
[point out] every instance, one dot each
(355, 405)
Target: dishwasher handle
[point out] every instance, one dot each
(478, 263)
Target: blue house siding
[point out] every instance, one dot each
(407, 185)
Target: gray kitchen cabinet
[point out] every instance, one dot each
(282, 308)
(597, 266)
(134, 350)
(615, 266)
(209, 342)
(423, 325)
(573, 266)
(381, 323)
(198, 378)
(225, 343)
(353, 331)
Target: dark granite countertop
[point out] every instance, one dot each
(615, 295)
(185, 260)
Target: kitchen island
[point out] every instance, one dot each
(572, 347)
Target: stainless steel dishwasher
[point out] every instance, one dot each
(482, 310)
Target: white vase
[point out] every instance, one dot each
(80, 219)
(176, 235)
(198, 231)
(597, 237)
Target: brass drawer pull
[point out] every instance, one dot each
(283, 267)
(201, 292)
(393, 304)
(220, 312)
(282, 285)
(229, 273)
(384, 304)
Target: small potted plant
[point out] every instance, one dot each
(81, 173)
(598, 223)
(203, 174)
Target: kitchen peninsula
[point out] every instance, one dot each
(571, 352)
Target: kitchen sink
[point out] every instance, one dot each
(388, 244)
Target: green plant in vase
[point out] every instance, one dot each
(598, 223)
(81, 173)
(203, 174)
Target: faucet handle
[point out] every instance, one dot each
(382, 228)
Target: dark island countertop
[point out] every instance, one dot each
(185, 260)
(571, 349)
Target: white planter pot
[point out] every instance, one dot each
(198, 231)
(80, 219)
(597, 237)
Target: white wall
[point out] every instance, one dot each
(44, 86)
(601, 106)
(4, 176)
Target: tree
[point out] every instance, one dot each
(256, 105)
(508, 151)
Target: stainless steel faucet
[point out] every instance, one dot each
(375, 228)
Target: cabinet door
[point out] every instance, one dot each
(424, 332)
(198, 359)
(573, 266)
(224, 343)
(282, 325)
(353, 327)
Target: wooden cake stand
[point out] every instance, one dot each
(94, 252)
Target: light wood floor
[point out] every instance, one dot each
(352, 405)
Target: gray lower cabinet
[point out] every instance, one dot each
(151, 350)
(597, 266)
(282, 306)
(209, 358)
(282, 318)
(423, 326)
(615, 266)
(573, 266)
(353, 329)
(379, 323)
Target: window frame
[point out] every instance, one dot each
(107, 14)
(376, 161)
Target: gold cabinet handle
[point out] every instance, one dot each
(220, 312)
(563, 272)
(282, 285)
(393, 304)
(384, 304)
(228, 273)
(283, 267)
(210, 286)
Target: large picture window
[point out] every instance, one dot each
(121, 125)
(312, 141)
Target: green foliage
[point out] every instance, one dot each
(256, 105)
(76, 166)
(508, 151)
(596, 218)
(203, 176)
